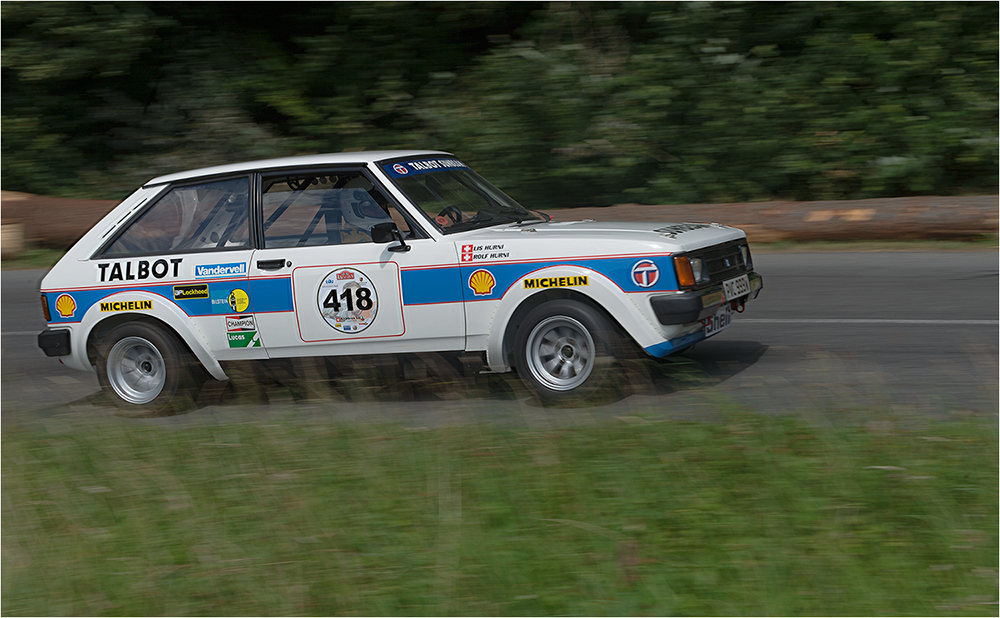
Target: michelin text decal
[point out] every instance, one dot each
(555, 282)
(127, 305)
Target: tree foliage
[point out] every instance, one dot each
(562, 104)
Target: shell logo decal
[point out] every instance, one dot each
(65, 305)
(482, 282)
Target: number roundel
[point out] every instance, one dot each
(347, 300)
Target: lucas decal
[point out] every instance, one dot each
(347, 300)
(244, 339)
(241, 331)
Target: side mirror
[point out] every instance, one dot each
(388, 232)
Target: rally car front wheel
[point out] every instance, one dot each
(144, 368)
(566, 351)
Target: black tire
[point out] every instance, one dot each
(146, 370)
(566, 352)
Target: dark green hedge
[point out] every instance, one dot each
(562, 104)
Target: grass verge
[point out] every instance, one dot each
(32, 259)
(756, 515)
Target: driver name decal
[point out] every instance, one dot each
(347, 300)
(472, 253)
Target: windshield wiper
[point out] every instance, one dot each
(545, 218)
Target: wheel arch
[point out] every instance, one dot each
(540, 298)
(598, 291)
(165, 315)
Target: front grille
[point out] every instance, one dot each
(724, 261)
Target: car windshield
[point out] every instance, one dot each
(453, 197)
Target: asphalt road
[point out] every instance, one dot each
(874, 336)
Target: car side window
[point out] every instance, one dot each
(324, 209)
(199, 217)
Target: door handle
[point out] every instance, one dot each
(271, 264)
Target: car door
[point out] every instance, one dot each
(322, 287)
(191, 247)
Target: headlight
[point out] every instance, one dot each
(698, 269)
(745, 254)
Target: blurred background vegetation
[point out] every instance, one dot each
(562, 104)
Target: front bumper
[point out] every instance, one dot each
(688, 307)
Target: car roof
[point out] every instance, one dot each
(364, 156)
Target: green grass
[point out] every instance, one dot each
(33, 258)
(755, 515)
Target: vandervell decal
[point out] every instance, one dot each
(236, 269)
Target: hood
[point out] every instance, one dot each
(676, 237)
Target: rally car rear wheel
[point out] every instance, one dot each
(566, 351)
(144, 368)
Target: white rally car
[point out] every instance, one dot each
(375, 253)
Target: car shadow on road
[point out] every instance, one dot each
(707, 364)
(447, 377)
(444, 377)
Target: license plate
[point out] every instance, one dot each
(721, 320)
(734, 288)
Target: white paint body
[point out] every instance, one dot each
(426, 297)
